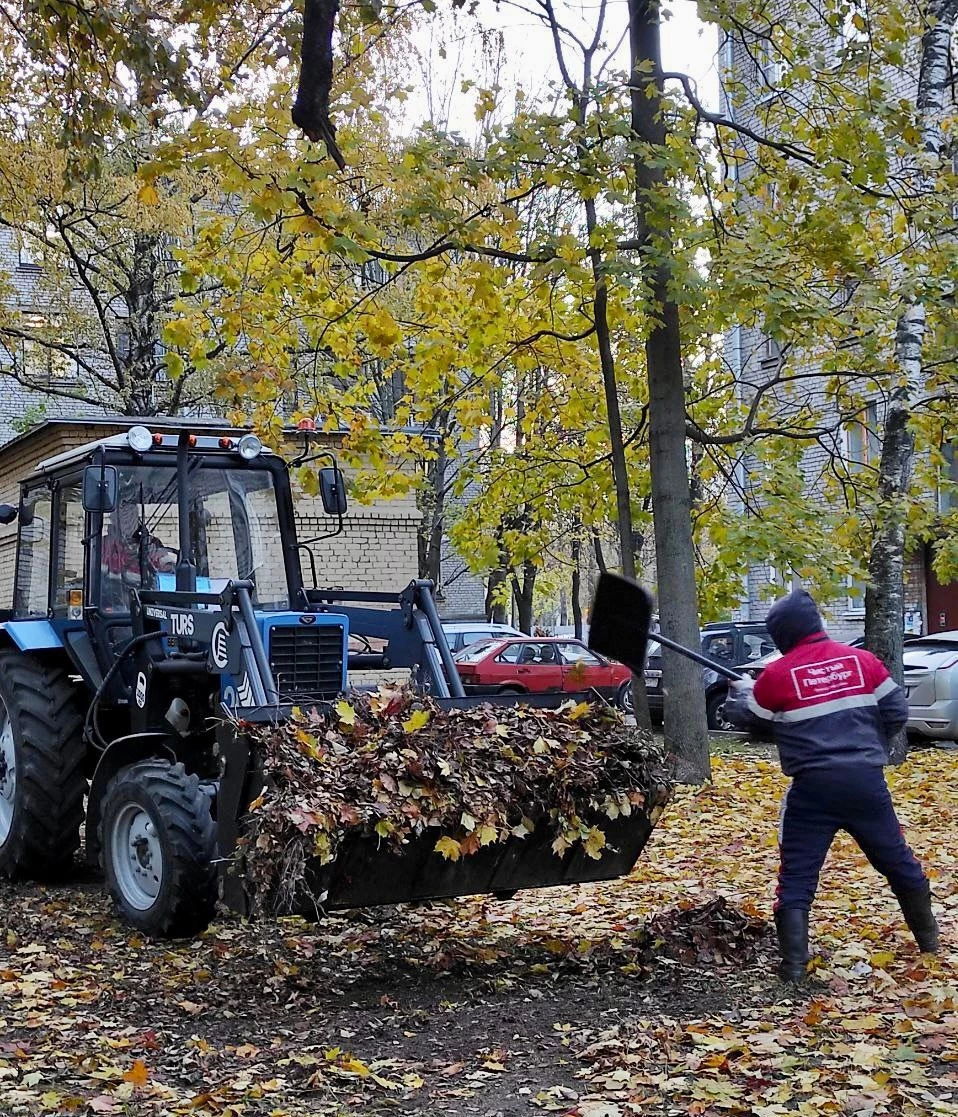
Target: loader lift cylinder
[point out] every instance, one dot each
(245, 603)
(427, 603)
(185, 568)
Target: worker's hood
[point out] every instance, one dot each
(792, 618)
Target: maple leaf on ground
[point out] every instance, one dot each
(138, 1074)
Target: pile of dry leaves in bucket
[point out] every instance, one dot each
(395, 765)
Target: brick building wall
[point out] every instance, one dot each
(20, 406)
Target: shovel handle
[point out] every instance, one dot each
(727, 672)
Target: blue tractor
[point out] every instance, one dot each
(160, 605)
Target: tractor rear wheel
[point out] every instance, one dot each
(42, 756)
(157, 843)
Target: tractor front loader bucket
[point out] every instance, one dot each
(366, 872)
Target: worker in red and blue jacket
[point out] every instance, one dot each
(831, 710)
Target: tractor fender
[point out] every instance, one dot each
(120, 754)
(36, 635)
(39, 646)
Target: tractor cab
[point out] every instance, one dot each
(141, 513)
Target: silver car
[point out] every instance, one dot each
(931, 680)
(460, 634)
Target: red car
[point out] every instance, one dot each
(534, 665)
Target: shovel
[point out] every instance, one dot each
(619, 626)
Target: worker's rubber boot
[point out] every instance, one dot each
(792, 927)
(916, 908)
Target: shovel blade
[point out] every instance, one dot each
(620, 619)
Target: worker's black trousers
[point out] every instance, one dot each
(816, 806)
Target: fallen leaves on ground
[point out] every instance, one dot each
(554, 1002)
(876, 1033)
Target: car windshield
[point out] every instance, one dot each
(475, 652)
(234, 533)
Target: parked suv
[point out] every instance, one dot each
(460, 634)
(731, 643)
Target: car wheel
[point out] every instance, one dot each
(623, 698)
(715, 711)
(511, 690)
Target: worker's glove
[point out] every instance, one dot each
(736, 703)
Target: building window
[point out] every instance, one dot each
(48, 367)
(32, 246)
(44, 365)
(862, 440)
(853, 29)
(769, 354)
(855, 601)
(29, 259)
(783, 579)
(768, 63)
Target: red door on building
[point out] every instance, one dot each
(942, 601)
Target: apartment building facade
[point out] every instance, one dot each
(754, 68)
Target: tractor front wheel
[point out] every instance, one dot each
(42, 756)
(157, 843)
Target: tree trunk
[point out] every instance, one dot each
(686, 731)
(432, 506)
(496, 610)
(523, 595)
(599, 555)
(885, 594)
(576, 589)
(138, 371)
(620, 473)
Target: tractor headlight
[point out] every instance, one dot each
(140, 439)
(250, 447)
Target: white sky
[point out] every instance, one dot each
(528, 57)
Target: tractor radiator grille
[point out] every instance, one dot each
(307, 662)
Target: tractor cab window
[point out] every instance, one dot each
(68, 544)
(32, 588)
(234, 533)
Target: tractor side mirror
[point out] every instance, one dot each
(8, 513)
(332, 489)
(100, 484)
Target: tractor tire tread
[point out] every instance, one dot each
(42, 703)
(189, 830)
